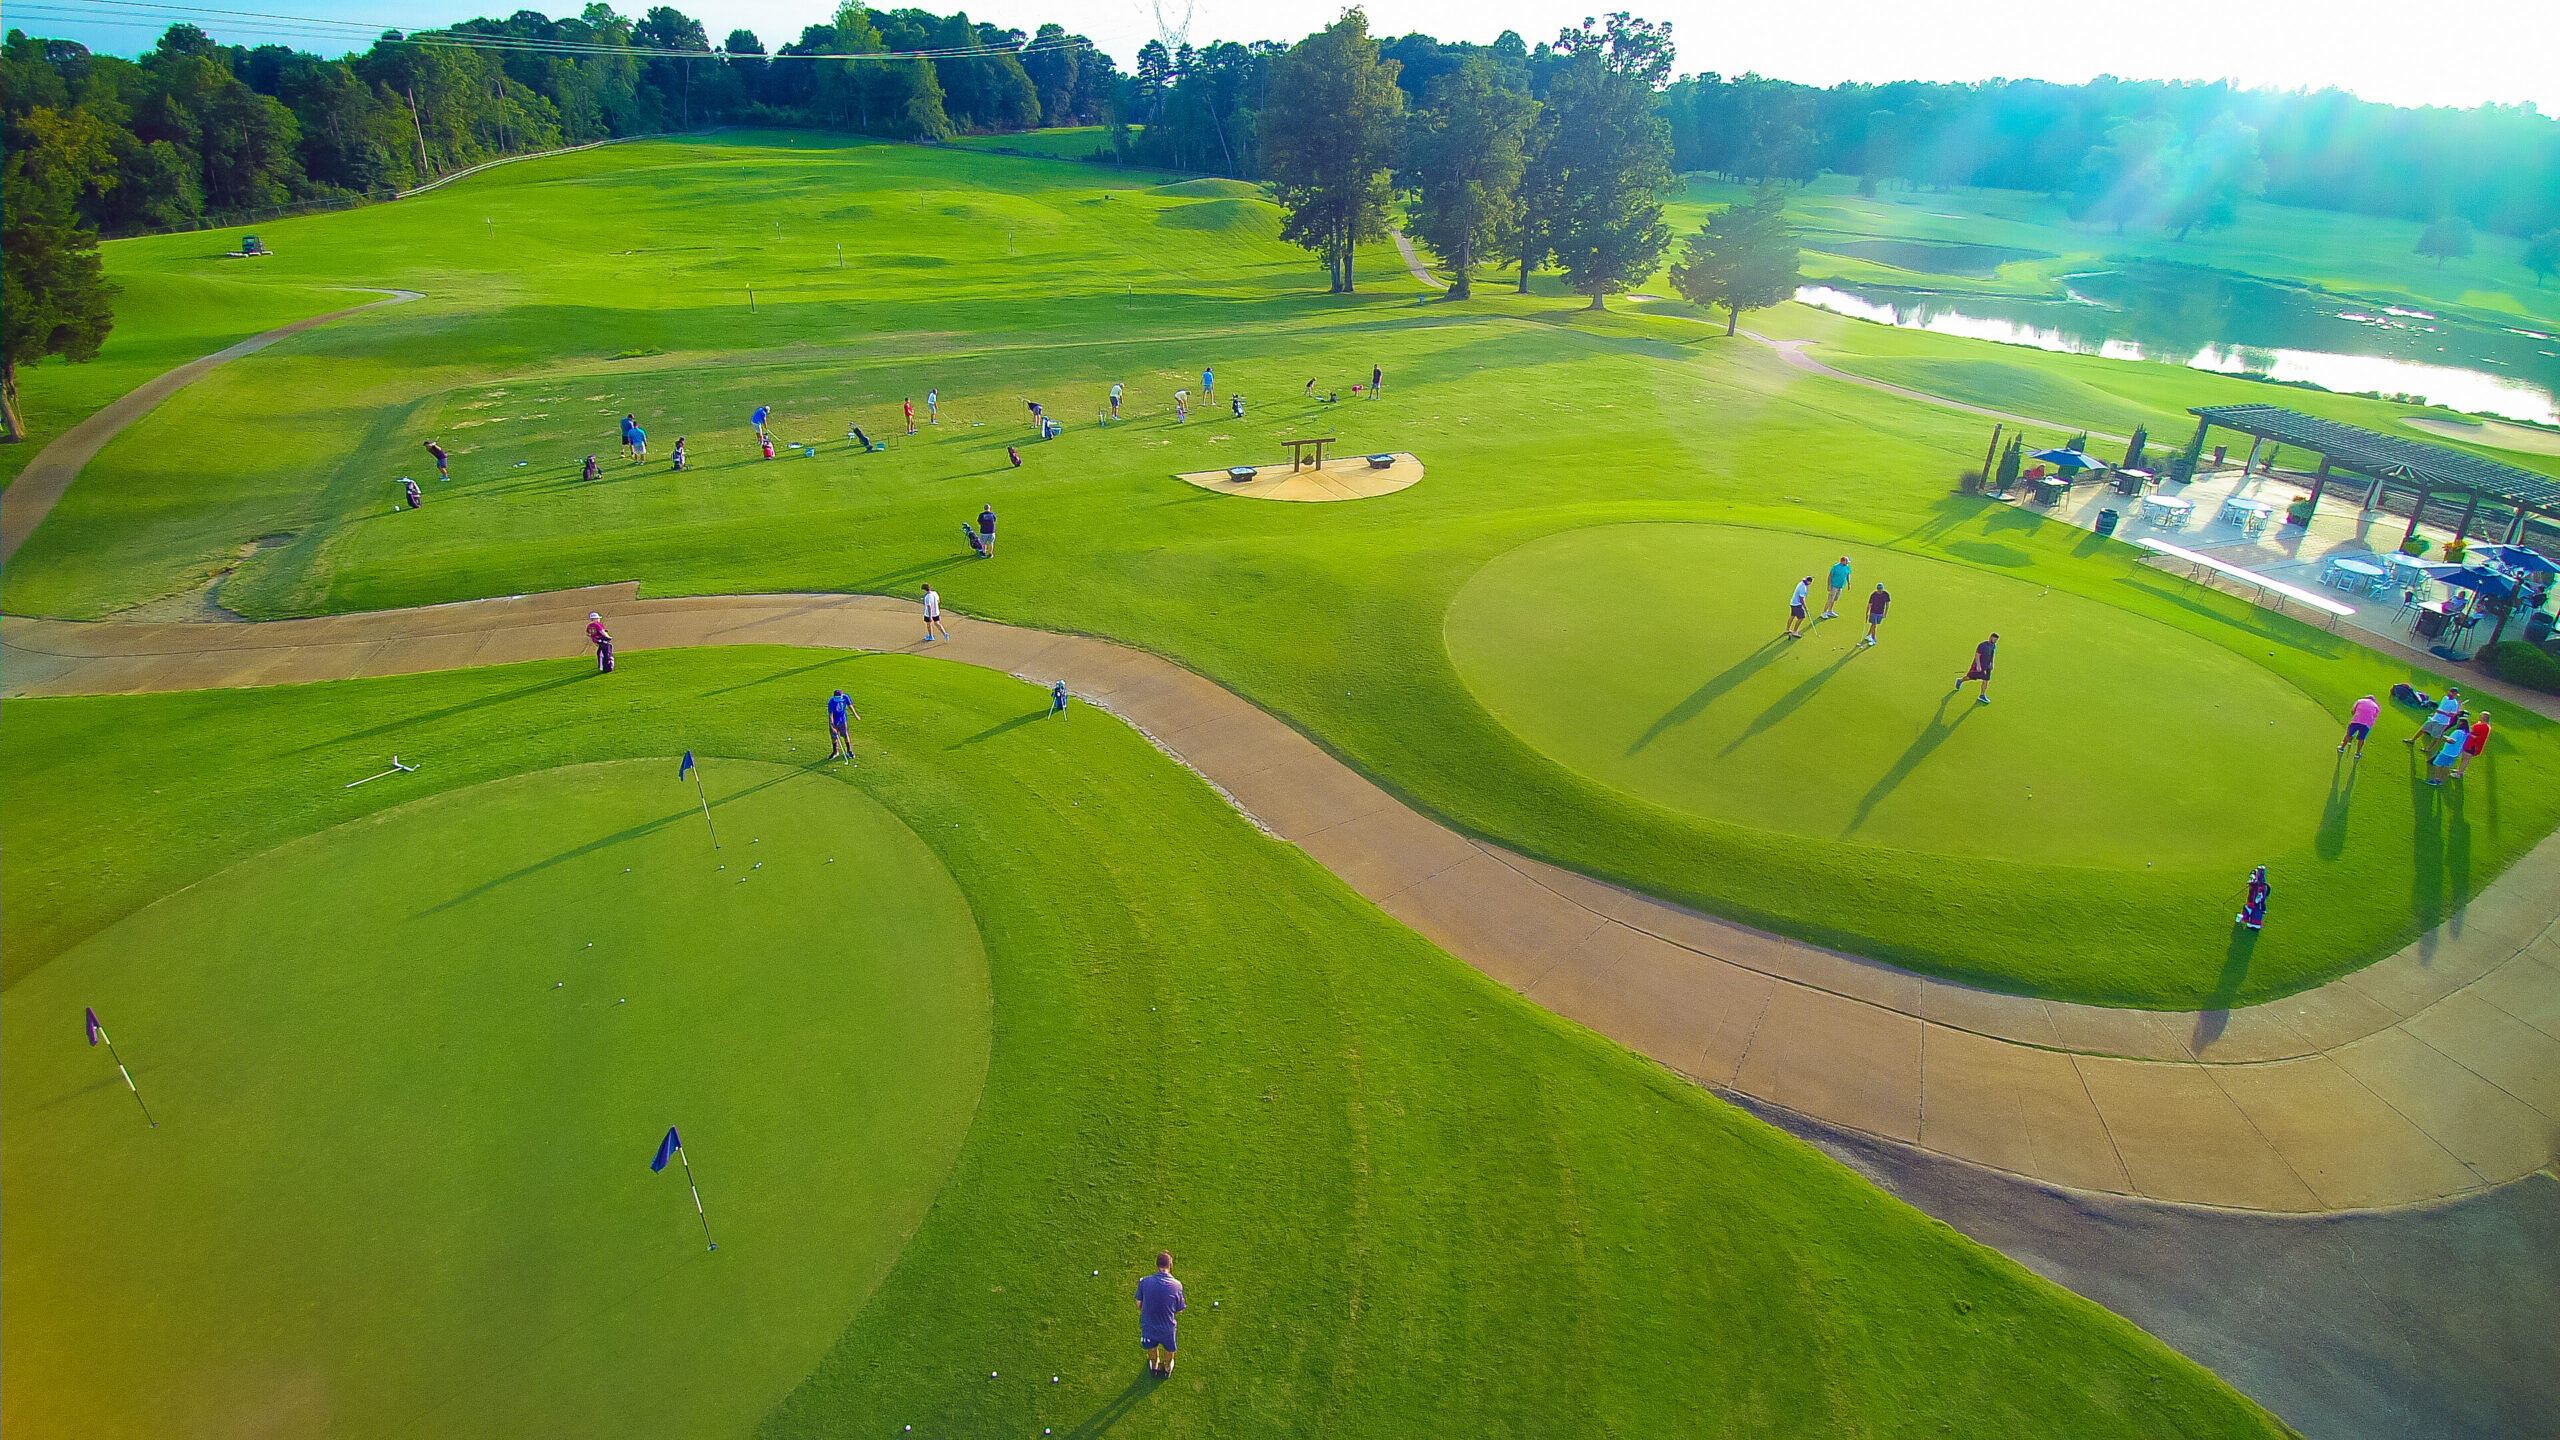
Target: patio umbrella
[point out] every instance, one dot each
(2514, 557)
(2069, 459)
(2491, 586)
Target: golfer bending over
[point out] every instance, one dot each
(1795, 607)
(840, 715)
(1159, 1300)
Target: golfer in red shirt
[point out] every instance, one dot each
(2471, 747)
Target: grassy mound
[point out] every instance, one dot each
(1651, 657)
(1404, 1199)
(1257, 218)
(1212, 188)
(409, 1073)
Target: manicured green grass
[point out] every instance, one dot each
(616, 284)
(163, 320)
(1653, 658)
(409, 1073)
(1404, 1199)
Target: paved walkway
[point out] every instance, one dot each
(2432, 1073)
(32, 496)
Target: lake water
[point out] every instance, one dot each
(2182, 315)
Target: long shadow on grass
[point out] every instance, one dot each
(646, 827)
(2331, 841)
(2214, 1017)
(1000, 727)
(1114, 1411)
(1792, 701)
(777, 675)
(411, 722)
(2426, 837)
(1707, 694)
(1937, 732)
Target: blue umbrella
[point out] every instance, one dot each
(2070, 459)
(2514, 557)
(2489, 583)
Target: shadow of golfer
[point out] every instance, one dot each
(2331, 841)
(1792, 701)
(2216, 1017)
(2426, 848)
(1707, 694)
(1116, 1408)
(1932, 735)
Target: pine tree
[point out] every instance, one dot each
(1463, 163)
(1329, 135)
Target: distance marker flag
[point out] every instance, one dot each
(97, 1034)
(689, 768)
(673, 1145)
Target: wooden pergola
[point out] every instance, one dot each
(2386, 463)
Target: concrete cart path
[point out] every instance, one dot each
(2432, 1073)
(32, 496)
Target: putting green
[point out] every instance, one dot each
(409, 1074)
(1648, 657)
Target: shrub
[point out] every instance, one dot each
(2414, 545)
(2299, 512)
(1969, 481)
(2520, 663)
(2454, 550)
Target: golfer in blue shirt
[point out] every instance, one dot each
(840, 715)
(1159, 1300)
(763, 412)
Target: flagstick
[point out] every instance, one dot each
(697, 1197)
(128, 1076)
(706, 805)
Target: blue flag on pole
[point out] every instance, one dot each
(667, 1149)
(687, 767)
(97, 1032)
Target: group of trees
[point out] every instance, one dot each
(2166, 153)
(198, 132)
(1558, 156)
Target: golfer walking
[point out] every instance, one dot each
(933, 616)
(1795, 608)
(840, 718)
(1878, 600)
(2446, 709)
(1981, 669)
(1159, 1300)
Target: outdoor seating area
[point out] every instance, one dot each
(2358, 577)
(2167, 512)
(2203, 567)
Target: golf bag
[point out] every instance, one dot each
(976, 544)
(604, 657)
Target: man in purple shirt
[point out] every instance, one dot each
(1159, 1300)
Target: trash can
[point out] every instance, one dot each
(2537, 626)
(2107, 522)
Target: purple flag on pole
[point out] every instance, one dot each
(96, 1031)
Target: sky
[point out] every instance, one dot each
(2444, 52)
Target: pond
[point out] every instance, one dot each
(2184, 315)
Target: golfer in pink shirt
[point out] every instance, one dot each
(2360, 725)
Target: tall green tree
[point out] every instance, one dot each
(2542, 256)
(2211, 174)
(1329, 135)
(1463, 162)
(1605, 155)
(54, 295)
(1743, 258)
(2446, 239)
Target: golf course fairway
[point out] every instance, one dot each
(409, 1074)
(1651, 658)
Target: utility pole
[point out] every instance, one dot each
(421, 128)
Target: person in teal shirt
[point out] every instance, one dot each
(1839, 582)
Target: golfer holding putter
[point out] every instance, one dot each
(1795, 608)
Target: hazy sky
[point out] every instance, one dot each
(2441, 52)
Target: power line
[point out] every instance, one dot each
(152, 13)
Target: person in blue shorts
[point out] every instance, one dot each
(840, 717)
(1159, 1300)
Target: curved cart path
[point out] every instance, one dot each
(2433, 1073)
(32, 496)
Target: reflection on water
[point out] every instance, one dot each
(2180, 315)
